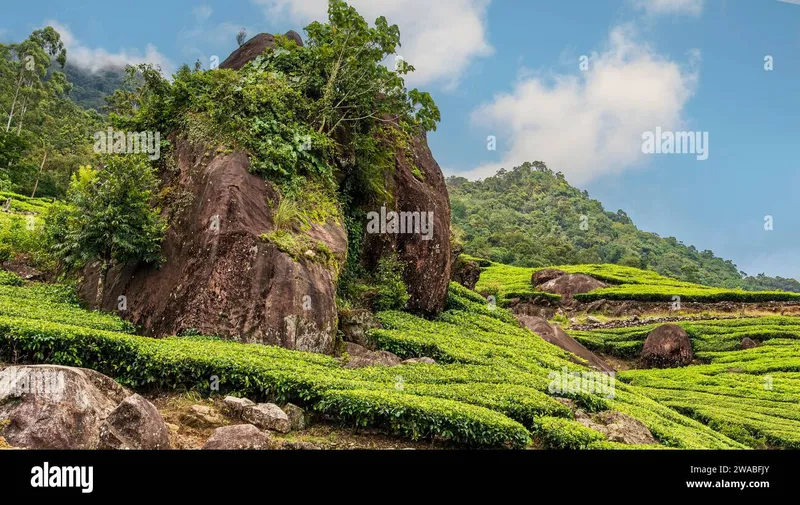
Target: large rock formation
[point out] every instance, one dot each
(428, 257)
(220, 277)
(255, 46)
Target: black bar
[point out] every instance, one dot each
(129, 474)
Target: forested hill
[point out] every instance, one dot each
(530, 216)
(90, 89)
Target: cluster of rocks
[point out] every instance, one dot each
(58, 407)
(260, 420)
(592, 323)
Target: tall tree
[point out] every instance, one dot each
(112, 218)
(27, 63)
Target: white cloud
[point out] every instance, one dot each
(441, 38)
(589, 124)
(656, 7)
(95, 59)
(202, 13)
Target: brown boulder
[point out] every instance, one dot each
(466, 272)
(254, 47)
(220, 278)
(201, 416)
(239, 437)
(555, 335)
(55, 407)
(546, 274)
(667, 346)
(571, 284)
(360, 357)
(134, 424)
(617, 427)
(355, 325)
(428, 258)
(748, 343)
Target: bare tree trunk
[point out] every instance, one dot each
(41, 168)
(13, 104)
(101, 283)
(22, 117)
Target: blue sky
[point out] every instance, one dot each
(510, 69)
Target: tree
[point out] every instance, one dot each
(27, 63)
(241, 37)
(111, 218)
(346, 55)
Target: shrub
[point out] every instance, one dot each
(5, 253)
(392, 293)
(10, 279)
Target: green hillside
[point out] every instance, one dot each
(532, 217)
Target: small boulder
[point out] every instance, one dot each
(297, 416)
(571, 284)
(593, 320)
(466, 272)
(425, 360)
(545, 275)
(361, 357)
(268, 416)
(355, 325)
(239, 437)
(134, 424)
(667, 346)
(617, 427)
(292, 445)
(200, 416)
(748, 343)
(235, 407)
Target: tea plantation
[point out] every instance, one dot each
(490, 388)
(625, 283)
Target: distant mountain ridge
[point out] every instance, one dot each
(531, 216)
(90, 89)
